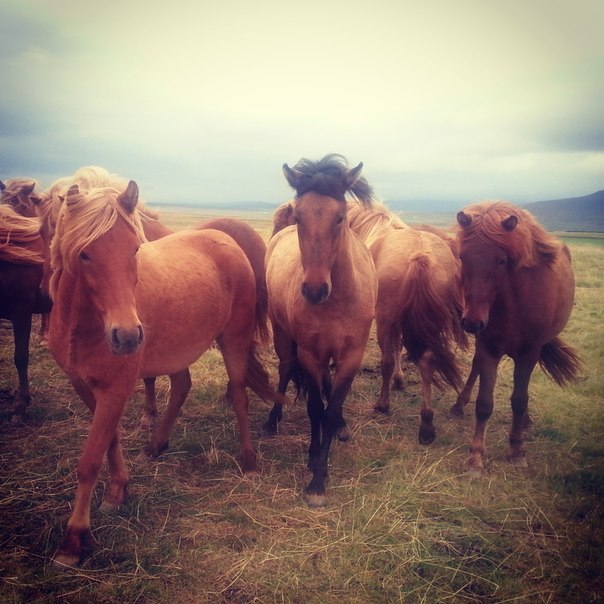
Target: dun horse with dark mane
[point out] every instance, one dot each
(125, 309)
(518, 287)
(321, 289)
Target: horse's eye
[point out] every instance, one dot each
(340, 220)
(84, 256)
(501, 261)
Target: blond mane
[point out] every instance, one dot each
(16, 193)
(17, 234)
(87, 217)
(372, 223)
(527, 245)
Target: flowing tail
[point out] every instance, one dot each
(560, 361)
(257, 378)
(429, 321)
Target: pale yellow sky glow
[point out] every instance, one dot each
(203, 102)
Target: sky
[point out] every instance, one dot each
(202, 102)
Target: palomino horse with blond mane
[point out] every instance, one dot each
(125, 309)
(321, 291)
(419, 304)
(518, 287)
(21, 259)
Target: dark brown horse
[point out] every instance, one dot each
(518, 286)
(18, 193)
(126, 309)
(21, 258)
(322, 290)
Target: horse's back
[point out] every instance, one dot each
(192, 285)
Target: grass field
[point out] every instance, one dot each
(402, 523)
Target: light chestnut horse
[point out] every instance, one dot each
(125, 309)
(254, 248)
(518, 286)
(419, 305)
(21, 259)
(321, 291)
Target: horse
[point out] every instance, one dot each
(124, 309)
(321, 296)
(254, 248)
(21, 259)
(518, 287)
(18, 193)
(419, 305)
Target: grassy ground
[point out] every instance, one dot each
(402, 523)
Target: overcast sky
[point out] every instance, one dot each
(204, 101)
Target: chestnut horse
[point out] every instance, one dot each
(18, 193)
(254, 248)
(419, 305)
(124, 310)
(518, 286)
(21, 258)
(321, 295)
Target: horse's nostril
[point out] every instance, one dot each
(315, 295)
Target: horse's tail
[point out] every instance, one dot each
(257, 378)
(560, 361)
(427, 321)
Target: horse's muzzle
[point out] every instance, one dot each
(473, 327)
(126, 341)
(315, 295)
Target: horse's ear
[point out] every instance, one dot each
(2, 186)
(129, 198)
(29, 188)
(73, 194)
(510, 223)
(292, 176)
(464, 220)
(353, 175)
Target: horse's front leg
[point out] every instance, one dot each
(487, 369)
(102, 437)
(523, 369)
(463, 398)
(427, 432)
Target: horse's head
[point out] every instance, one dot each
(100, 228)
(319, 211)
(484, 265)
(19, 193)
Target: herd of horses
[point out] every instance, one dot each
(131, 299)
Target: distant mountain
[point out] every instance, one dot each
(574, 214)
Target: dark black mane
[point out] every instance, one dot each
(329, 176)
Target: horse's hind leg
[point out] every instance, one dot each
(398, 381)
(180, 384)
(389, 342)
(427, 432)
(149, 417)
(235, 353)
(286, 350)
(523, 368)
(21, 333)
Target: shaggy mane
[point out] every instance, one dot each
(528, 245)
(17, 234)
(372, 223)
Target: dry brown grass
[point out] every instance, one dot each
(401, 525)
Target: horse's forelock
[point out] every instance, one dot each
(526, 244)
(329, 176)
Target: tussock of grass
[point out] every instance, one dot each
(402, 524)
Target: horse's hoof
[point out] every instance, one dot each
(518, 461)
(343, 434)
(108, 507)
(270, 429)
(382, 410)
(456, 411)
(427, 436)
(65, 562)
(252, 474)
(315, 500)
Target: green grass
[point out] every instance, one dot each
(402, 523)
